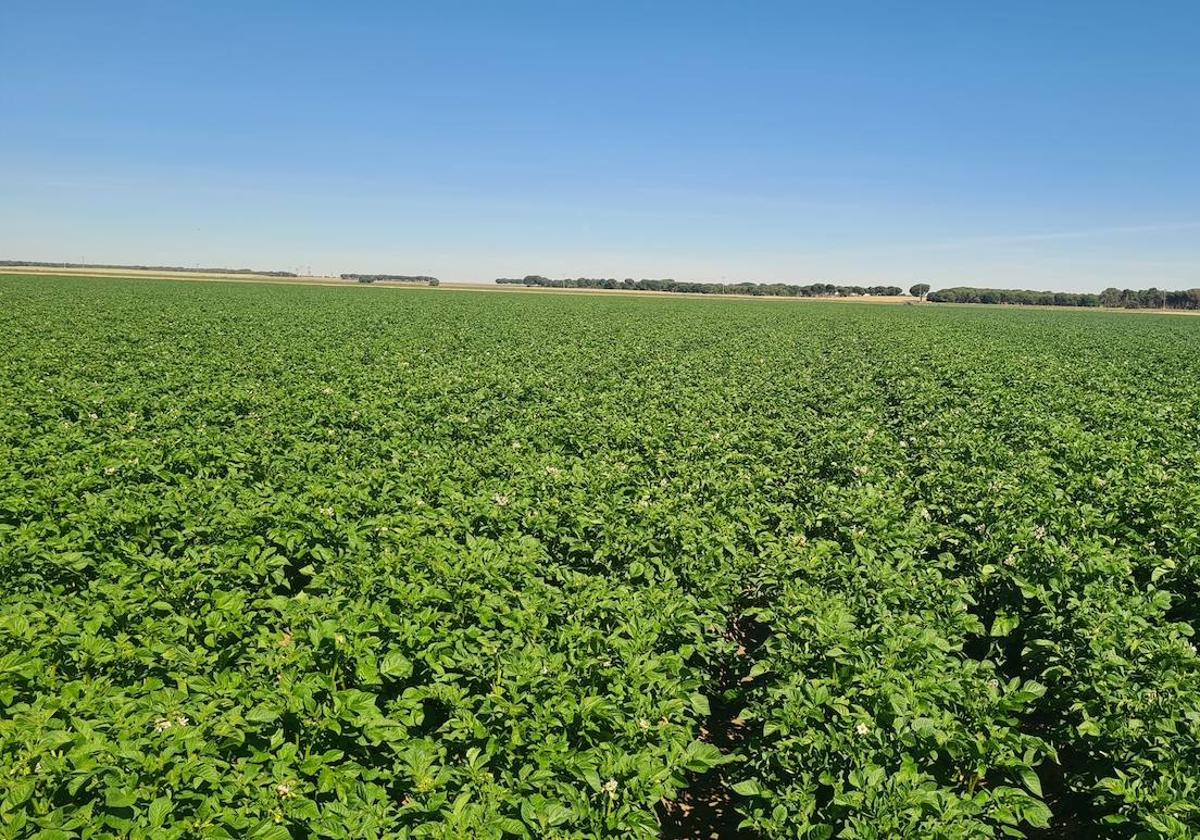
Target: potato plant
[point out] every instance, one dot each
(299, 562)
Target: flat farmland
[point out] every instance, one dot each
(293, 561)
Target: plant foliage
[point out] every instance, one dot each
(298, 562)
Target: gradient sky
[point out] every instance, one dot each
(1035, 145)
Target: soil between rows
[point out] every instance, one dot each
(707, 809)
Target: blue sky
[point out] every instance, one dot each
(1040, 145)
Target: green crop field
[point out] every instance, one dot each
(300, 562)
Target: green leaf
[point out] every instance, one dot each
(116, 798)
(700, 757)
(268, 831)
(263, 713)
(356, 705)
(1004, 624)
(1037, 814)
(396, 666)
(18, 791)
(160, 808)
(556, 814)
(749, 787)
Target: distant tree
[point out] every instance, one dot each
(188, 268)
(1146, 298)
(391, 278)
(1018, 297)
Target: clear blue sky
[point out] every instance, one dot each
(1040, 145)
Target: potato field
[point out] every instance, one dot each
(284, 561)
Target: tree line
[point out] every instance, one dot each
(194, 269)
(1151, 298)
(391, 278)
(1111, 297)
(1019, 297)
(668, 285)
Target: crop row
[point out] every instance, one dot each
(303, 562)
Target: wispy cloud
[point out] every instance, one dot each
(1087, 233)
(985, 240)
